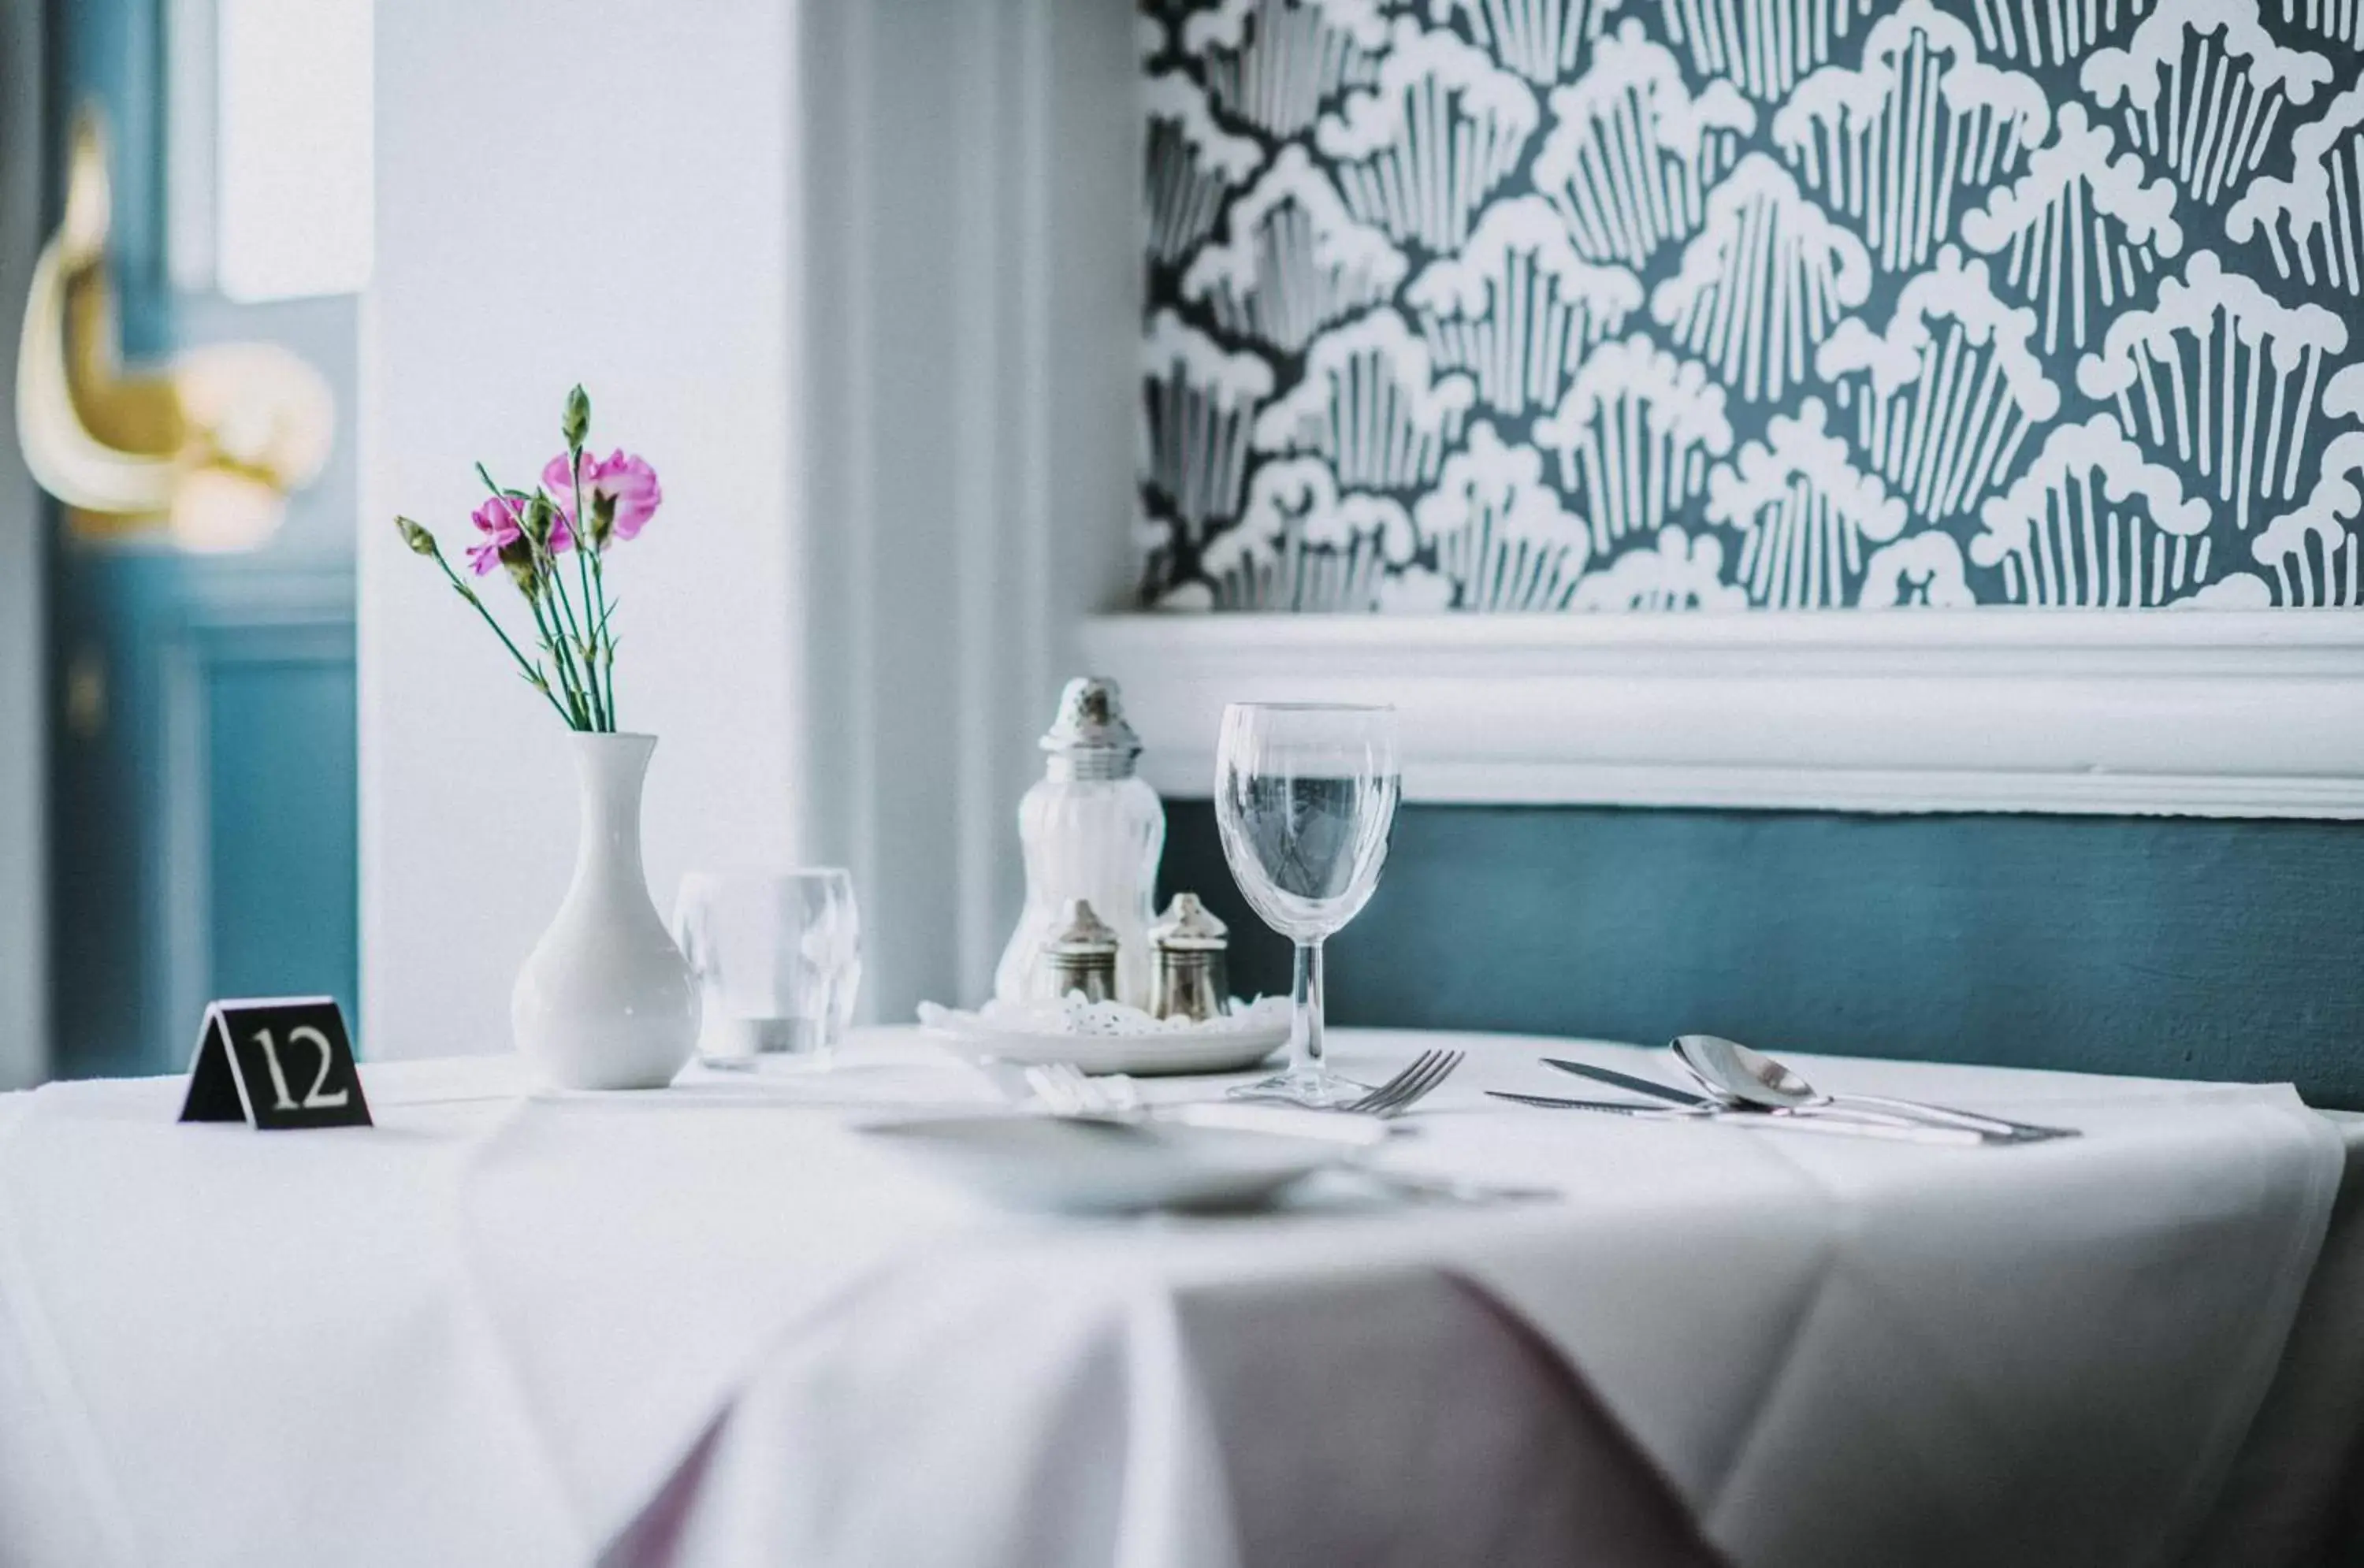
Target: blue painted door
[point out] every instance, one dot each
(203, 775)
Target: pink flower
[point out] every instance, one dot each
(625, 481)
(497, 528)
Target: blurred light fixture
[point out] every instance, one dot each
(207, 449)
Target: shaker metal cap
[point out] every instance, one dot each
(1081, 933)
(1188, 927)
(1090, 723)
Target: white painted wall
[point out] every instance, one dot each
(875, 265)
(570, 189)
(973, 174)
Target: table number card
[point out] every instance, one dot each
(278, 1063)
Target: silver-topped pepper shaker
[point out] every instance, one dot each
(1189, 945)
(1081, 954)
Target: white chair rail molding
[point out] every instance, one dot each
(2211, 713)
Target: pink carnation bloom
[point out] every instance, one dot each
(496, 528)
(629, 479)
(497, 523)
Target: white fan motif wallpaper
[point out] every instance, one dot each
(1590, 304)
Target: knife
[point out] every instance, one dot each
(1614, 1108)
(1690, 1101)
(1627, 1081)
(1900, 1132)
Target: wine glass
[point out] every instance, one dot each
(1305, 793)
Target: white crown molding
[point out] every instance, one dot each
(2202, 713)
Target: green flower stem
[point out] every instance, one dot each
(532, 670)
(599, 579)
(562, 621)
(591, 649)
(579, 652)
(583, 547)
(581, 717)
(583, 701)
(580, 648)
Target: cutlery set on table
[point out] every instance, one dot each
(1305, 794)
(1100, 1149)
(1734, 1084)
(1096, 1144)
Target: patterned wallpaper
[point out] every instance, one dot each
(1584, 304)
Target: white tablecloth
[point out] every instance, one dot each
(716, 1325)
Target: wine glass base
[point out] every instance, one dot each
(1320, 1091)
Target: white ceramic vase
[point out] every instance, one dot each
(605, 1000)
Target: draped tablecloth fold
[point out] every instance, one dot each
(716, 1325)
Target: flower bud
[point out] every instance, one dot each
(577, 422)
(420, 541)
(603, 518)
(538, 515)
(517, 559)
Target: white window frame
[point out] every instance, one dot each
(197, 207)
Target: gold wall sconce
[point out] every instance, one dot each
(206, 450)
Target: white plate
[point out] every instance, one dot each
(1083, 1167)
(1149, 1054)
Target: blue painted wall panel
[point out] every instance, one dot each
(2167, 947)
(284, 840)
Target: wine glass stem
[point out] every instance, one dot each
(1306, 1053)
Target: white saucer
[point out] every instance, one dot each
(1084, 1166)
(1230, 1046)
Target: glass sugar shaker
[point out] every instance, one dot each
(1188, 943)
(1090, 828)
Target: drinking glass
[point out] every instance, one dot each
(1305, 794)
(778, 961)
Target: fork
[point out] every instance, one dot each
(1064, 1087)
(1403, 1091)
(1065, 1091)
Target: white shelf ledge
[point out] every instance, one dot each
(2202, 713)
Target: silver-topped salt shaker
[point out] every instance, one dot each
(1081, 954)
(1189, 945)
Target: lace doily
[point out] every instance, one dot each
(1071, 1015)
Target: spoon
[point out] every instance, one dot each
(1685, 1100)
(1906, 1129)
(1733, 1071)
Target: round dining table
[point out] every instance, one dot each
(724, 1323)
